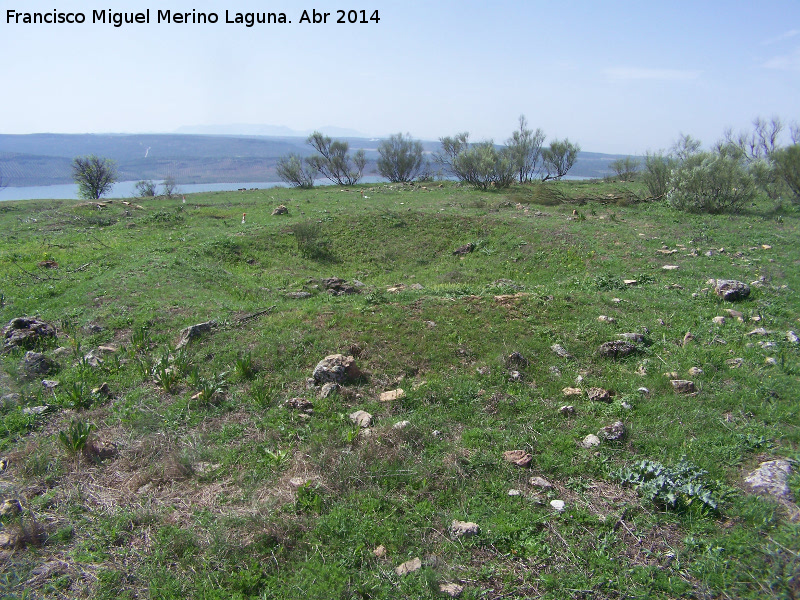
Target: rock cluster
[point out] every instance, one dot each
(26, 332)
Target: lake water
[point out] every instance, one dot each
(127, 189)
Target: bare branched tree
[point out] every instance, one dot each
(525, 146)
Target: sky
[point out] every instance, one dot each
(616, 77)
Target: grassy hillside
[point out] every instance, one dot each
(218, 471)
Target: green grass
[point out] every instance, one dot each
(230, 494)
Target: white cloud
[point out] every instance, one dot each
(639, 73)
(785, 62)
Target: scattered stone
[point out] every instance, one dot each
(10, 539)
(464, 250)
(35, 410)
(540, 482)
(102, 449)
(766, 247)
(451, 589)
(613, 433)
(571, 391)
(755, 319)
(771, 361)
(380, 551)
(632, 337)
(513, 492)
(671, 374)
(518, 457)
(718, 320)
(298, 295)
(415, 564)
(361, 418)
(93, 360)
(567, 410)
(280, 210)
(336, 368)
(36, 363)
(695, 371)
(396, 288)
(401, 424)
(460, 529)
(792, 337)
(107, 349)
(606, 319)
(554, 371)
(102, 390)
(193, 332)
(49, 384)
(598, 395)
(560, 351)
(515, 359)
(515, 376)
(416, 286)
(616, 349)
(735, 314)
(590, 441)
(299, 404)
(26, 332)
(666, 252)
(772, 478)
(339, 287)
(392, 395)
(683, 386)
(616, 300)
(735, 363)
(430, 324)
(644, 391)
(670, 267)
(731, 290)
(630, 281)
(687, 338)
(11, 507)
(436, 433)
(626, 405)
(758, 331)
(558, 505)
(328, 389)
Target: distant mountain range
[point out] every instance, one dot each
(45, 158)
(266, 130)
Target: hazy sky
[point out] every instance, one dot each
(613, 76)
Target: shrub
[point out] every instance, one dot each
(401, 159)
(146, 189)
(787, 166)
(656, 174)
(310, 242)
(625, 168)
(711, 182)
(292, 169)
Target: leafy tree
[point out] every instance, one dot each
(146, 189)
(787, 166)
(657, 173)
(482, 165)
(525, 147)
(711, 182)
(292, 170)
(95, 176)
(334, 162)
(170, 186)
(401, 158)
(625, 168)
(559, 158)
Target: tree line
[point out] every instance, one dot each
(722, 178)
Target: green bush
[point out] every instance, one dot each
(656, 174)
(787, 166)
(711, 182)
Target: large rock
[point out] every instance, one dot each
(26, 332)
(613, 433)
(463, 529)
(339, 287)
(36, 363)
(193, 332)
(336, 368)
(772, 478)
(730, 289)
(616, 349)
